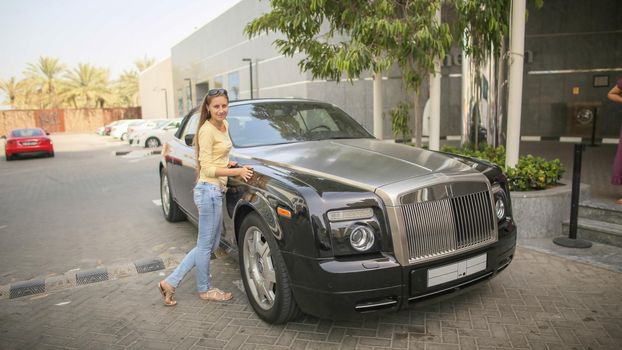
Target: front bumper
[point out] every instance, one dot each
(339, 289)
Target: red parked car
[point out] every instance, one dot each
(31, 141)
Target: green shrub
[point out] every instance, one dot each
(530, 173)
(399, 120)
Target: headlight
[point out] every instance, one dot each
(500, 197)
(499, 208)
(361, 237)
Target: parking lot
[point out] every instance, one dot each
(84, 208)
(91, 208)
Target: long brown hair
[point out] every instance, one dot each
(205, 116)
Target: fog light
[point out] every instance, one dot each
(361, 238)
(500, 208)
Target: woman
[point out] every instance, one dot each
(615, 95)
(213, 169)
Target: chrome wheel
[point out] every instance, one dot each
(259, 269)
(165, 195)
(152, 142)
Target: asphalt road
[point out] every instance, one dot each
(86, 207)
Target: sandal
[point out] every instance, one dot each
(216, 294)
(167, 294)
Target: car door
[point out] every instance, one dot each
(183, 174)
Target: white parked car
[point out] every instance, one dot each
(152, 138)
(135, 130)
(119, 130)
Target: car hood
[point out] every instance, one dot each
(365, 163)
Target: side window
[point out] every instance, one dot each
(191, 126)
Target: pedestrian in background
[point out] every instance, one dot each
(615, 95)
(212, 144)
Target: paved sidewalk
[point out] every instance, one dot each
(539, 302)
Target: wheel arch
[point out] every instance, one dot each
(261, 206)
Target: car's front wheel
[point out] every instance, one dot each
(264, 273)
(170, 208)
(152, 142)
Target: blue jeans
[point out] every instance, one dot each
(208, 199)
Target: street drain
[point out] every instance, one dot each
(149, 265)
(91, 276)
(22, 289)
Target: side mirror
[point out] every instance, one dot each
(188, 139)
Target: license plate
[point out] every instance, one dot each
(460, 269)
(29, 143)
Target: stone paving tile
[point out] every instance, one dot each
(539, 302)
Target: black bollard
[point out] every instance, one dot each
(571, 241)
(593, 142)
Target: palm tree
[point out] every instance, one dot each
(45, 74)
(12, 89)
(86, 86)
(127, 88)
(144, 63)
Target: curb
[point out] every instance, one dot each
(78, 278)
(141, 153)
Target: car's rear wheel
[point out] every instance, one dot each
(51, 154)
(9, 157)
(124, 136)
(152, 142)
(170, 208)
(264, 273)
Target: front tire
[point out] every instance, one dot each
(264, 273)
(170, 208)
(152, 142)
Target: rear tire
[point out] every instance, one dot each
(152, 142)
(124, 137)
(51, 154)
(264, 273)
(170, 208)
(8, 157)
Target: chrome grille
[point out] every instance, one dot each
(444, 226)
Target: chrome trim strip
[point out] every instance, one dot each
(570, 71)
(375, 305)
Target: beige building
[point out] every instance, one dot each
(156, 91)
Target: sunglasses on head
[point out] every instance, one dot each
(216, 92)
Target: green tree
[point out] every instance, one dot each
(86, 86)
(351, 37)
(44, 77)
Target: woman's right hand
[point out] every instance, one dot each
(245, 172)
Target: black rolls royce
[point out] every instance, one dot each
(335, 222)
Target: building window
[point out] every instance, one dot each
(218, 82)
(234, 85)
(180, 102)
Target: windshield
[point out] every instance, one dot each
(269, 123)
(26, 132)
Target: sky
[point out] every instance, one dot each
(105, 33)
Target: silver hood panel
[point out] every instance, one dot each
(364, 163)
